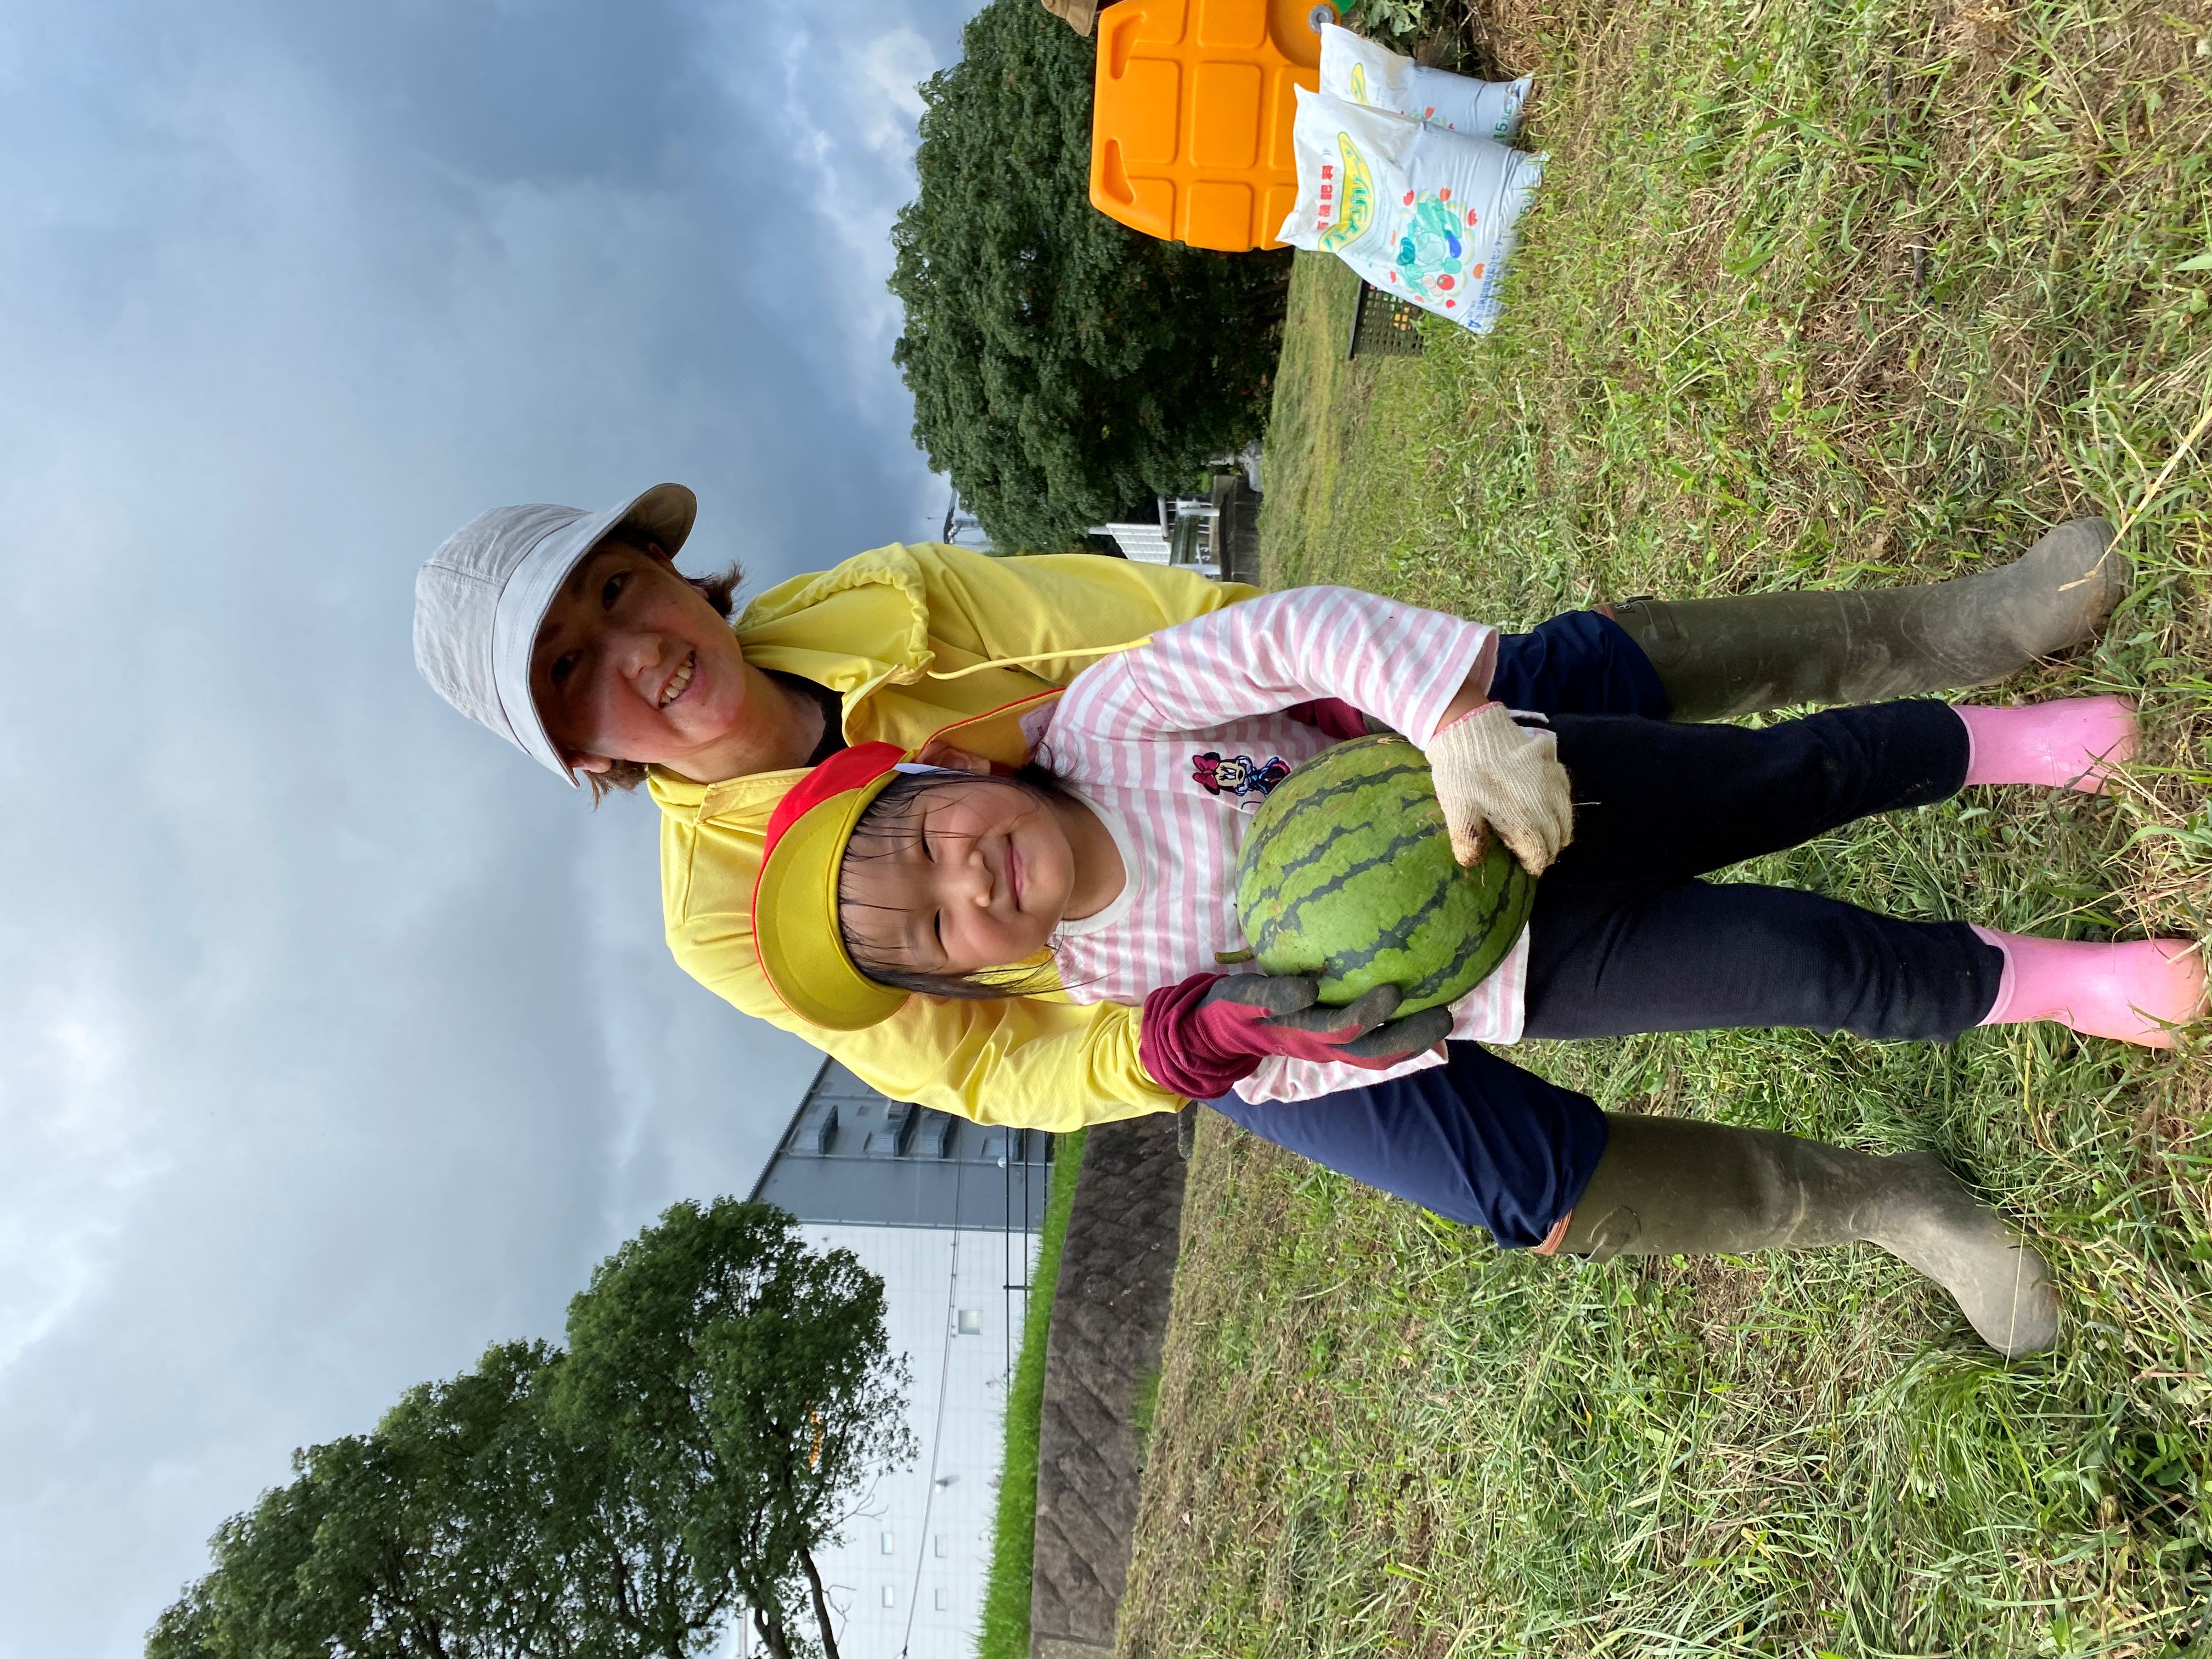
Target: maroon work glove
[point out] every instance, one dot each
(1204, 1036)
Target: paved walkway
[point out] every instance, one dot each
(1109, 1317)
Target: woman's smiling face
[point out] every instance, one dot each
(965, 876)
(633, 664)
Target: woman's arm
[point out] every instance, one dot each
(1021, 1060)
(991, 608)
(1027, 1061)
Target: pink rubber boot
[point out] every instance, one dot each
(2132, 991)
(2074, 743)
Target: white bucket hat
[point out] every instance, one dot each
(480, 598)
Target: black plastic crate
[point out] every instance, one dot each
(1384, 325)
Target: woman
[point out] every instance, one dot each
(573, 635)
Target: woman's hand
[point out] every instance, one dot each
(1202, 1036)
(1490, 770)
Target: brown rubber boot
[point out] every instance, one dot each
(1671, 1186)
(1721, 658)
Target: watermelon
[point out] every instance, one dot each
(1347, 875)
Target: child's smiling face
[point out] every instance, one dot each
(633, 664)
(967, 876)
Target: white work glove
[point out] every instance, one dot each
(1489, 770)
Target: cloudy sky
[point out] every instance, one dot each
(341, 1040)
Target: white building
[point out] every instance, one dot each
(947, 1212)
(1186, 533)
(1183, 535)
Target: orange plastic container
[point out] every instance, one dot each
(1190, 131)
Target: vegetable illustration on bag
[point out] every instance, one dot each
(1414, 209)
(1432, 248)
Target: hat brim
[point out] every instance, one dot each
(795, 920)
(666, 509)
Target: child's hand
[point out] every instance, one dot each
(1210, 1032)
(1488, 770)
(1273, 1014)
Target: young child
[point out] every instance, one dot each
(1108, 868)
(1114, 858)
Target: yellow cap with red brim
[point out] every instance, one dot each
(795, 896)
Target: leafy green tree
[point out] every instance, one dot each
(729, 1392)
(745, 1384)
(466, 1526)
(1061, 363)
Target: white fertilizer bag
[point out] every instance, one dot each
(1413, 209)
(1360, 72)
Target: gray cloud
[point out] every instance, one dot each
(342, 1040)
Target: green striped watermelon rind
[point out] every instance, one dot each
(1347, 874)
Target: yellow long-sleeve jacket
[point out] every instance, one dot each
(871, 630)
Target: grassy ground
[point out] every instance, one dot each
(1006, 1633)
(1817, 293)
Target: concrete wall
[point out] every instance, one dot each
(1110, 1317)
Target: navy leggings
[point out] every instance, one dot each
(1625, 937)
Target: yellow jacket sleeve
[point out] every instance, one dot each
(1034, 1062)
(1021, 607)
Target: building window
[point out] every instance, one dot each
(890, 1544)
(945, 1600)
(890, 1596)
(944, 1547)
(971, 1322)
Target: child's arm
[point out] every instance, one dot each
(1422, 672)
(1409, 668)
